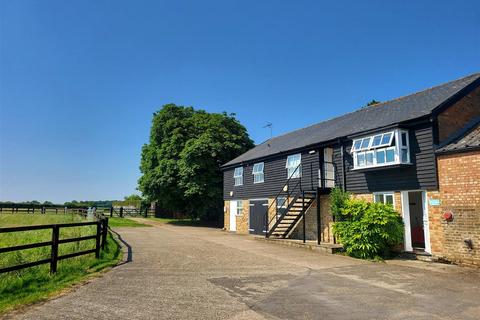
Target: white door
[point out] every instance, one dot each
(420, 209)
(233, 215)
(329, 168)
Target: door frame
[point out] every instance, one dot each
(250, 205)
(406, 220)
(233, 215)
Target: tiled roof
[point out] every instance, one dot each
(464, 142)
(377, 116)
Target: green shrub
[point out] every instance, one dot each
(368, 230)
(337, 202)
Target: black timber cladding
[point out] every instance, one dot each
(404, 109)
(275, 177)
(421, 174)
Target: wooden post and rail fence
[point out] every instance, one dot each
(100, 237)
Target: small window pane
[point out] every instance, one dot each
(379, 198)
(357, 144)
(376, 140)
(404, 153)
(386, 138)
(380, 156)
(389, 199)
(404, 139)
(238, 172)
(258, 168)
(361, 159)
(365, 143)
(369, 158)
(390, 155)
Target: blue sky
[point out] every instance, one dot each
(79, 80)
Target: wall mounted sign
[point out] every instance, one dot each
(434, 202)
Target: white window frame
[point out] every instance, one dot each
(238, 176)
(387, 146)
(291, 173)
(239, 207)
(258, 175)
(385, 194)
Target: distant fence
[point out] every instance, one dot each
(41, 209)
(129, 212)
(100, 242)
(121, 212)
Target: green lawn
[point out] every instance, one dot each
(125, 222)
(36, 283)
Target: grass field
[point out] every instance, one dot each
(36, 283)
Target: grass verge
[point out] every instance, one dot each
(125, 222)
(35, 284)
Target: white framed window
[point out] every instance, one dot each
(293, 162)
(381, 149)
(238, 176)
(385, 198)
(258, 175)
(239, 207)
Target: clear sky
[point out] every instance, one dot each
(79, 80)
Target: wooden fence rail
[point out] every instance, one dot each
(100, 242)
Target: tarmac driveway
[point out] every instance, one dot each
(200, 273)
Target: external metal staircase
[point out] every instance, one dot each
(284, 224)
(281, 221)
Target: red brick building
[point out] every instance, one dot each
(457, 237)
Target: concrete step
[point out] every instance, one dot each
(310, 245)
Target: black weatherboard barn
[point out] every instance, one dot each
(384, 152)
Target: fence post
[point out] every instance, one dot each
(54, 254)
(105, 231)
(97, 240)
(146, 212)
(111, 212)
(121, 212)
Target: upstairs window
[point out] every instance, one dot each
(258, 175)
(381, 149)
(293, 166)
(238, 176)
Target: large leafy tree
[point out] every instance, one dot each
(181, 163)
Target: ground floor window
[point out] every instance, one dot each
(281, 205)
(384, 197)
(239, 207)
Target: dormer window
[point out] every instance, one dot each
(238, 176)
(382, 149)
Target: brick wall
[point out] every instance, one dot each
(459, 182)
(242, 219)
(462, 112)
